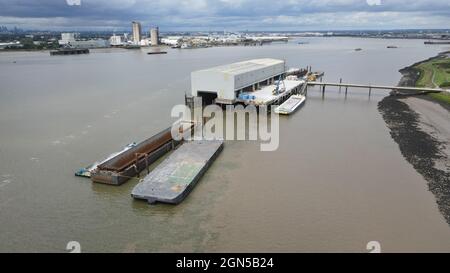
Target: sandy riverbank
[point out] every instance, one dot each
(421, 127)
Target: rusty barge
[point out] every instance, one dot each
(131, 162)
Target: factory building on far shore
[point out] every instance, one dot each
(72, 40)
(154, 36)
(137, 32)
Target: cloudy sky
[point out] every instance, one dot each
(225, 14)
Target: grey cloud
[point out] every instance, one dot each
(225, 13)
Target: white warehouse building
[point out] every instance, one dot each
(223, 84)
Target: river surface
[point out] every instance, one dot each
(336, 182)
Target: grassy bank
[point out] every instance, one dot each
(424, 149)
(435, 73)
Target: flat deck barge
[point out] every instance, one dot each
(156, 52)
(173, 179)
(69, 51)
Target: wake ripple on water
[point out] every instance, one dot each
(5, 179)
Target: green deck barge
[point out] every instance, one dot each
(177, 175)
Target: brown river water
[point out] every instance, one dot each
(336, 182)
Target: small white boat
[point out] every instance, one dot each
(290, 105)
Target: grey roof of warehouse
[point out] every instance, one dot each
(245, 66)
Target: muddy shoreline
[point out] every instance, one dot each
(421, 149)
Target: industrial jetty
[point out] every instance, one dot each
(260, 82)
(254, 82)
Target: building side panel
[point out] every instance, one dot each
(251, 77)
(211, 81)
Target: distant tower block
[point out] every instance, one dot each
(136, 32)
(154, 33)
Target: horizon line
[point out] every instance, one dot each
(224, 30)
